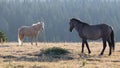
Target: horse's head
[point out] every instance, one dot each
(38, 26)
(42, 23)
(41, 26)
(76, 23)
(71, 23)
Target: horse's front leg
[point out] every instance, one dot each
(82, 46)
(31, 40)
(87, 46)
(110, 47)
(36, 40)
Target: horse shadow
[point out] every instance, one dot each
(36, 57)
(4, 46)
(39, 57)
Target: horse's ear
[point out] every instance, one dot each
(42, 22)
(72, 19)
(38, 22)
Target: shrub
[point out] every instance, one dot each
(55, 51)
(3, 37)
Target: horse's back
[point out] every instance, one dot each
(102, 27)
(26, 30)
(106, 30)
(91, 32)
(96, 31)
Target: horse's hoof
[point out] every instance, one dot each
(113, 50)
(81, 54)
(100, 55)
(109, 55)
(89, 52)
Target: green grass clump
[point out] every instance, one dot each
(55, 51)
(84, 62)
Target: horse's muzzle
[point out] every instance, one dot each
(70, 30)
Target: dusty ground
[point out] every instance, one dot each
(14, 56)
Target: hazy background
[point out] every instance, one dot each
(56, 15)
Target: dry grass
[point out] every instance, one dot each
(14, 56)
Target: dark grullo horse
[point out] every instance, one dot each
(93, 32)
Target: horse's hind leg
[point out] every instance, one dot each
(104, 46)
(87, 47)
(20, 39)
(110, 47)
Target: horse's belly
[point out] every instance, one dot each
(93, 35)
(29, 33)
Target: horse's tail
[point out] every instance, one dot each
(20, 37)
(112, 40)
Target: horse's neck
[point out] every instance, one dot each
(78, 27)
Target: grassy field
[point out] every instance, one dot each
(14, 56)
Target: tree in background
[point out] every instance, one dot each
(56, 15)
(3, 37)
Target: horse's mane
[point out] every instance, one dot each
(79, 21)
(36, 24)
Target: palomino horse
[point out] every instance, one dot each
(30, 31)
(93, 32)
